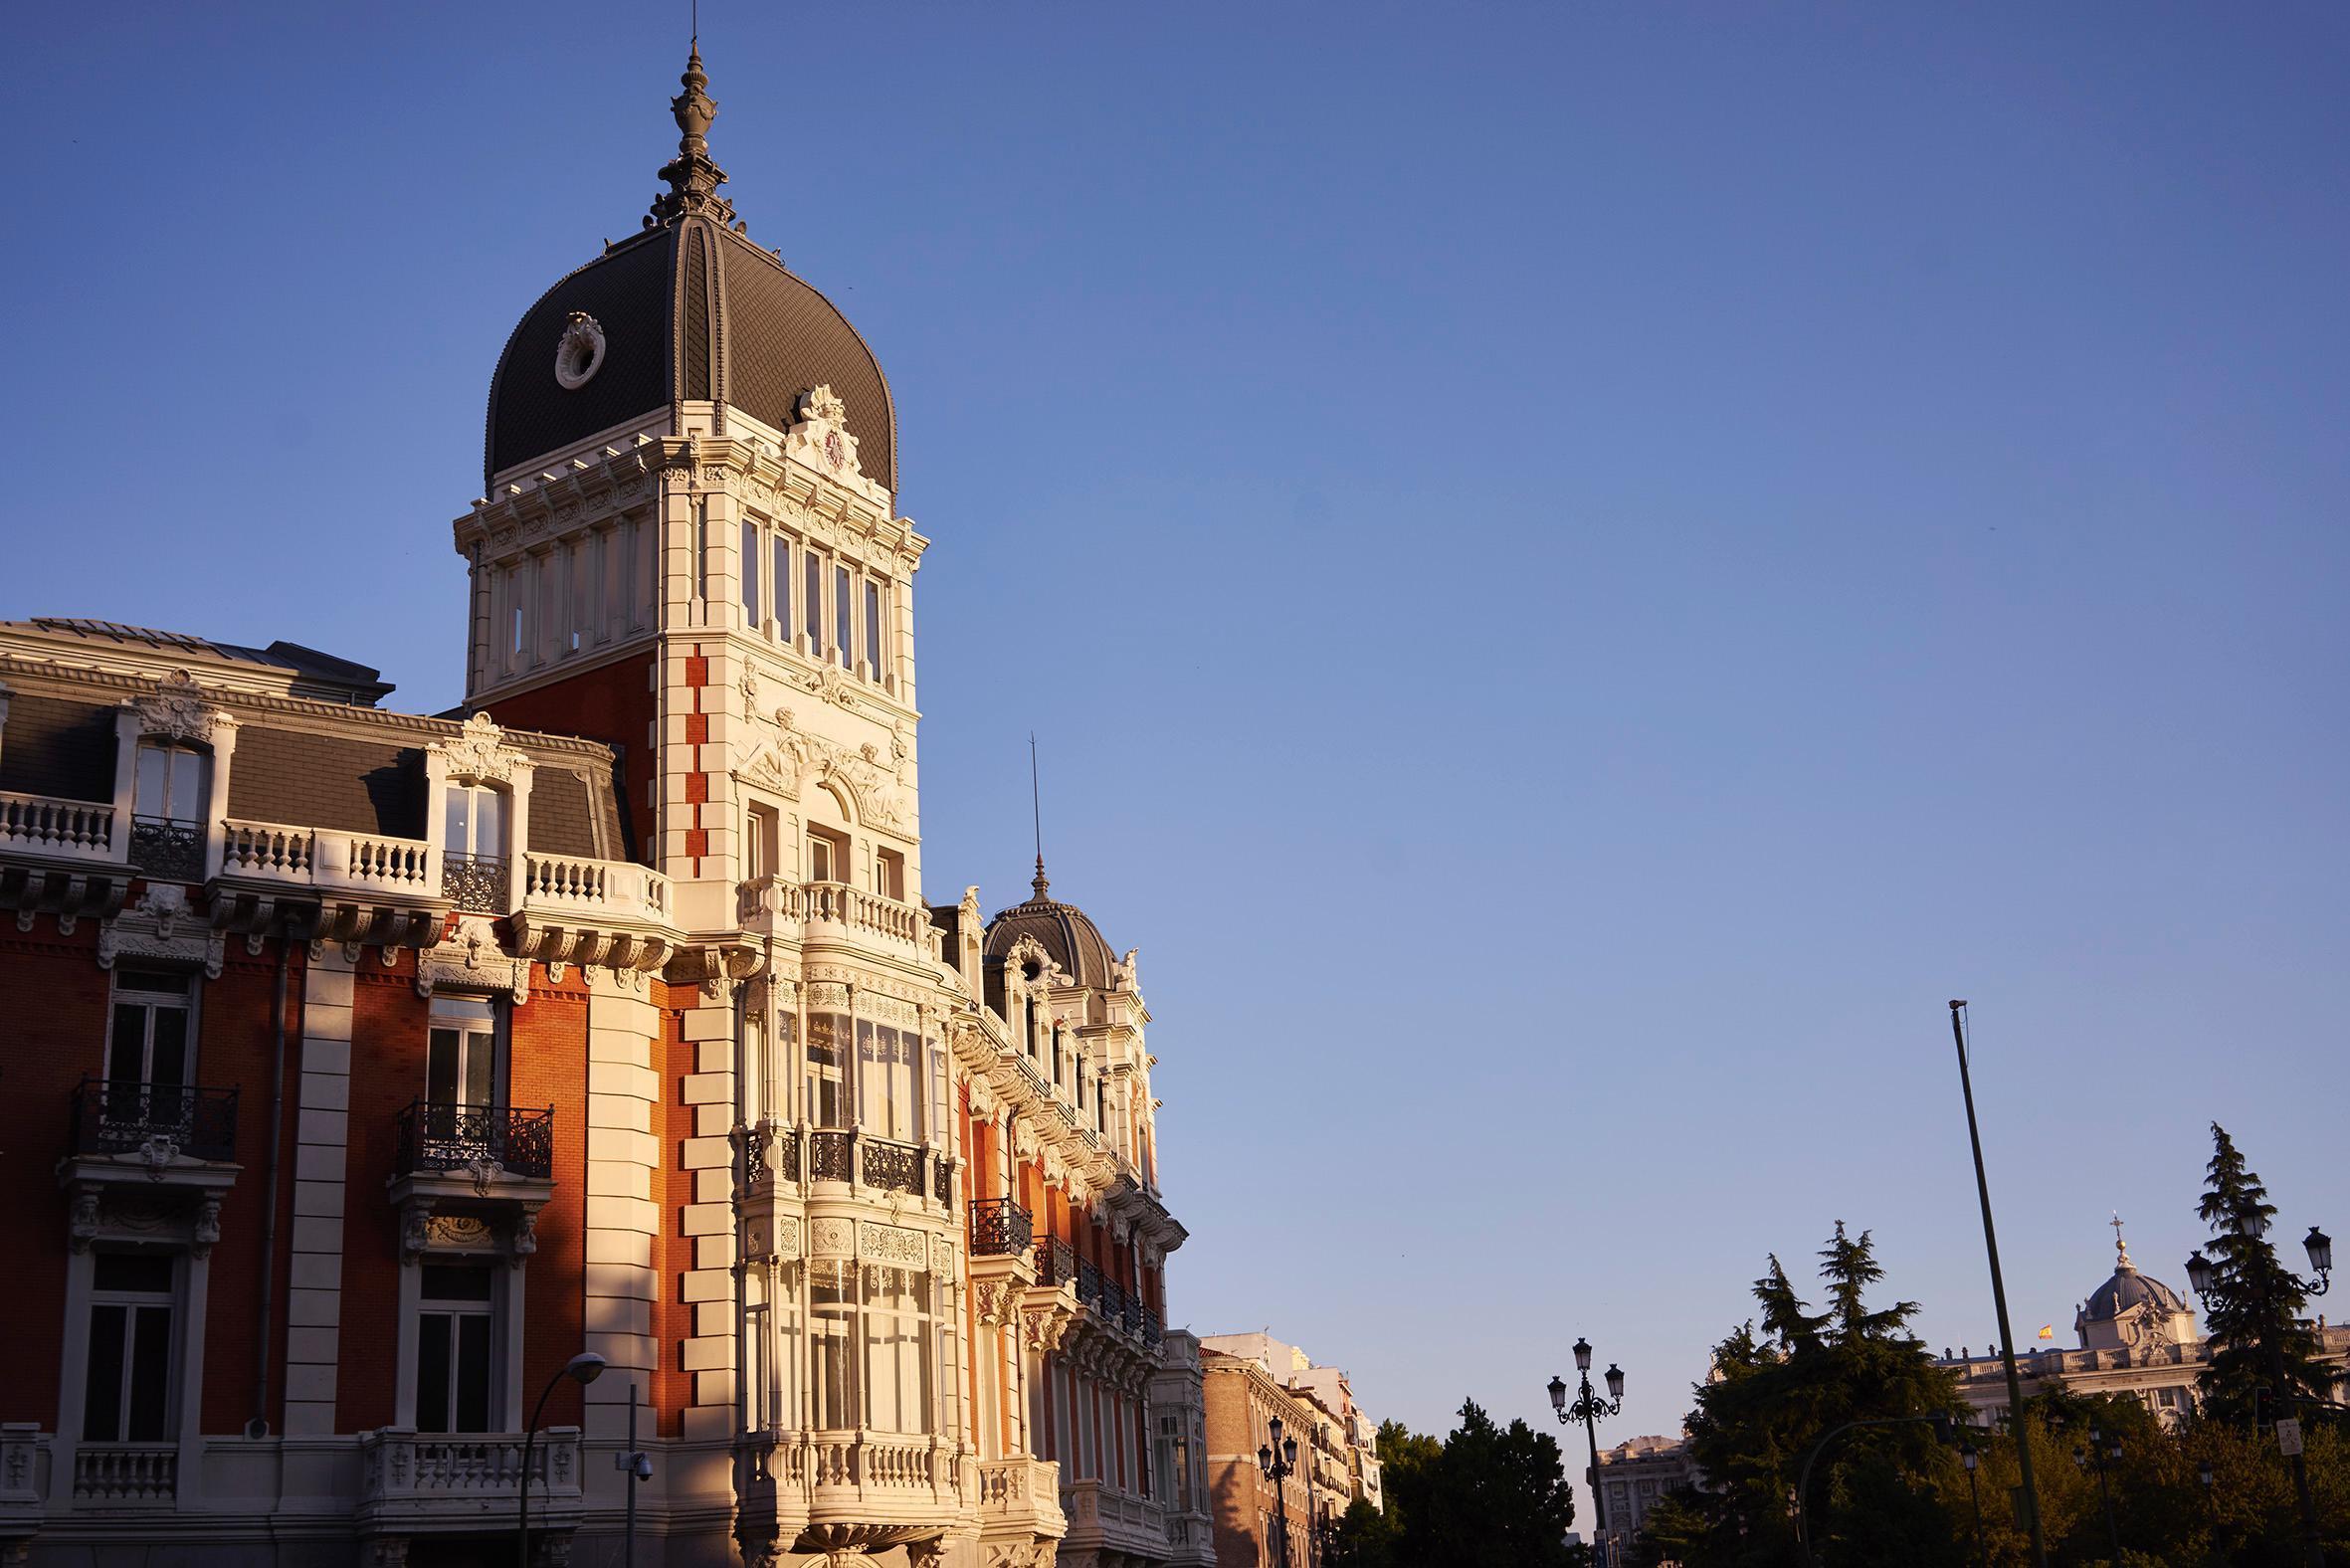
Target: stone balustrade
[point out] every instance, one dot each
(70, 829)
(318, 857)
(771, 902)
(115, 1475)
(413, 1478)
(564, 884)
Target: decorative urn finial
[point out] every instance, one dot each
(693, 180)
(1039, 884)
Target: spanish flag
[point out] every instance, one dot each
(2047, 1330)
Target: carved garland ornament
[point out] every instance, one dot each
(177, 709)
(480, 753)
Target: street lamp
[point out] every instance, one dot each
(2205, 1280)
(2100, 1451)
(1278, 1459)
(1588, 1407)
(582, 1369)
(1970, 1458)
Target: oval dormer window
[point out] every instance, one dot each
(581, 352)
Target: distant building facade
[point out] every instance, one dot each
(1633, 1476)
(1337, 1443)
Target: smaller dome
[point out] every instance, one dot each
(2127, 1289)
(1064, 931)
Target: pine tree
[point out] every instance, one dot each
(2253, 1311)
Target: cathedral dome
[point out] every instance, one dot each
(2128, 1289)
(687, 310)
(1065, 931)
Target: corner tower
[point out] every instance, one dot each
(690, 549)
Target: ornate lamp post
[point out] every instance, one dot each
(2204, 1279)
(2102, 1450)
(1970, 1458)
(1278, 1459)
(582, 1369)
(1588, 1407)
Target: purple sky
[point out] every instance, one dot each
(1577, 571)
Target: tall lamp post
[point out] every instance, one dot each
(2101, 1452)
(1588, 1407)
(1278, 1460)
(2204, 1279)
(1999, 1294)
(582, 1369)
(1970, 1458)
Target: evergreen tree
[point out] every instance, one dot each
(1486, 1495)
(2253, 1312)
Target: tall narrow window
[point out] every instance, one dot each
(831, 1345)
(872, 630)
(579, 566)
(758, 1345)
(461, 1055)
(127, 1391)
(890, 874)
(608, 595)
(167, 811)
(453, 1359)
(783, 588)
(761, 827)
(896, 1342)
(828, 856)
(812, 602)
(842, 626)
(150, 1049)
(473, 848)
(750, 574)
(827, 1069)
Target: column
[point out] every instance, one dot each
(624, 1094)
(706, 1220)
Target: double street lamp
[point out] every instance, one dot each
(1588, 1407)
(2102, 1450)
(1278, 1459)
(2204, 1279)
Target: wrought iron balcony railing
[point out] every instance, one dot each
(122, 1117)
(1111, 1304)
(1090, 1283)
(942, 1181)
(1000, 1228)
(892, 1167)
(167, 849)
(441, 1137)
(1057, 1262)
(1152, 1331)
(830, 1156)
(475, 882)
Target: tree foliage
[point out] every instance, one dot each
(1487, 1493)
(2253, 1312)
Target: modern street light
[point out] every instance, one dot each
(1970, 1458)
(582, 1369)
(1588, 1407)
(2204, 1279)
(1278, 1460)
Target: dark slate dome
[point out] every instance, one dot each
(1062, 929)
(687, 309)
(2128, 1289)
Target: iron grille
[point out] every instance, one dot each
(829, 1157)
(121, 1117)
(440, 1137)
(1090, 1283)
(1000, 1228)
(894, 1167)
(1152, 1331)
(477, 883)
(1057, 1262)
(167, 849)
(1112, 1306)
(783, 1155)
(942, 1182)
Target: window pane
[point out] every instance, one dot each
(168, 1067)
(432, 1371)
(481, 1051)
(127, 1053)
(441, 1062)
(101, 1389)
(459, 840)
(472, 1372)
(812, 599)
(488, 821)
(187, 803)
(150, 1373)
(155, 772)
(750, 572)
(872, 630)
(840, 612)
(455, 1283)
(149, 1274)
(783, 589)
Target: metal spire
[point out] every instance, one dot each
(1036, 808)
(693, 180)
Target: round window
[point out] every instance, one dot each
(581, 352)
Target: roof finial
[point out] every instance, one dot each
(694, 179)
(2121, 1247)
(1036, 807)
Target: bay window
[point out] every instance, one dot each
(890, 1082)
(898, 1349)
(831, 1345)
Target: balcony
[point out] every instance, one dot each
(59, 857)
(1000, 1228)
(828, 910)
(440, 1137)
(1103, 1520)
(413, 1482)
(892, 1167)
(878, 1164)
(167, 849)
(126, 1474)
(583, 912)
(1018, 1503)
(158, 1124)
(365, 886)
(860, 1490)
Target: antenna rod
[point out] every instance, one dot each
(1035, 809)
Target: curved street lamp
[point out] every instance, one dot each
(1588, 1407)
(582, 1369)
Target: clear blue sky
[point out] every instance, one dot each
(1579, 571)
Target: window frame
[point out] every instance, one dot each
(488, 1309)
(172, 1303)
